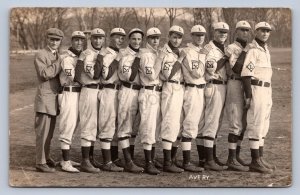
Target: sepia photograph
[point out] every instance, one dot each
(150, 97)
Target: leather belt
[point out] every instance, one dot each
(201, 86)
(131, 86)
(232, 77)
(155, 88)
(112, 86)
(260, 83)
(94, 86)
(177, 82)
(218, 82)
(72, 89)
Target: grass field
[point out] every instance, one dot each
(22, 142)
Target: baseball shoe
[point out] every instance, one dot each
(110, 166)
(133, 168)
(119, 163)
(257, 166)
(67, 166)
(86, 166)
(95, 163)
(218, 162)
(241, 161)
(211, 165)
(151, 169)
(234, 165)
(51, 163)
(74, 164)
(191, 168)
(171, 168)
(266, 164)
(157, 164)
(44, 168)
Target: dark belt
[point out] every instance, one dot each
(112, 86)
(232, 77)
(177, 82)
(72, 89)
(194, 85)
(94, 86)
(260, 83)
(218, 82)
(155, 88)
(131, 86)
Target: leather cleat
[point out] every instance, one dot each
(119, 163)
(241, 161)
(172, 168)
(110, 166)
(151, 169)
(201, 163)
(211, 165)
(95, 163)
(192, 168)
(234, 165)
(157, 164)
(51, 163)
(218, 162)
(86, 166)
(68, 167)
(267, 165)
(44, 168)
(133, 168)
(74, 164)
(257, 166)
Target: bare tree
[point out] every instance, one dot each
(172, 14)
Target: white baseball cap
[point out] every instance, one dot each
(222, 26)
(117, 31)
(176, 29)
(243, 24)
(79, 34)
(135, 30)
(263, 25)
(198, 29)
(98, 32)
(153, 32)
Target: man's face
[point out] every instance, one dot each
(135, 40)
(243, 33)
(263, 34)
(97, 41)
(220, 36)
(175, 39)
(198, 38)
(153, 41)
(53, 43)
(117, 40)
(77, 43)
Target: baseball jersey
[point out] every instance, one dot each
(149, 75)
(66, 76)
(258, 63)
(167, 58)
(193, 68)
(89, 57)
(125, 63)
(214, 54)
(108, 56)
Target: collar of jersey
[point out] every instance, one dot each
(214, 46)
(194, 47)
(258, 46)
(131, 51)
(148, 46)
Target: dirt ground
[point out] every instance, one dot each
(22, 142)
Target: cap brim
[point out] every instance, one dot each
(266, 28)
(198, 33)
(97, 35)
(154, 35)
(55, 36)
(78, 36)
(117, 33)
(222, 30)
(179, 33)
(136, 31)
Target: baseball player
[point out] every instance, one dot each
(215, 93)
(235, 94)
(128, 96)
(88, 75)
(194, 102)
(69, 99)
(256, 77)
(149, 98)
(172, 95)
(47, 65)
(108, 99)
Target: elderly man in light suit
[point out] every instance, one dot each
(47, 65)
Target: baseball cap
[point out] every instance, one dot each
(153, 32)
(198, 29)
(176, 29)
(135, 30)
(222, 26)
(55, 33)
(117, 31)
(79, 34)
(263, 25)
(243, 24)
(98, 32)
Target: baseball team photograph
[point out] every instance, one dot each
(150, 97)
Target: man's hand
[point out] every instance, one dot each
(247, 103)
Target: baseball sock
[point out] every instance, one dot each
(147, 155)
(66, 155)
(106, 156)
(85, 152)
(114, 153)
